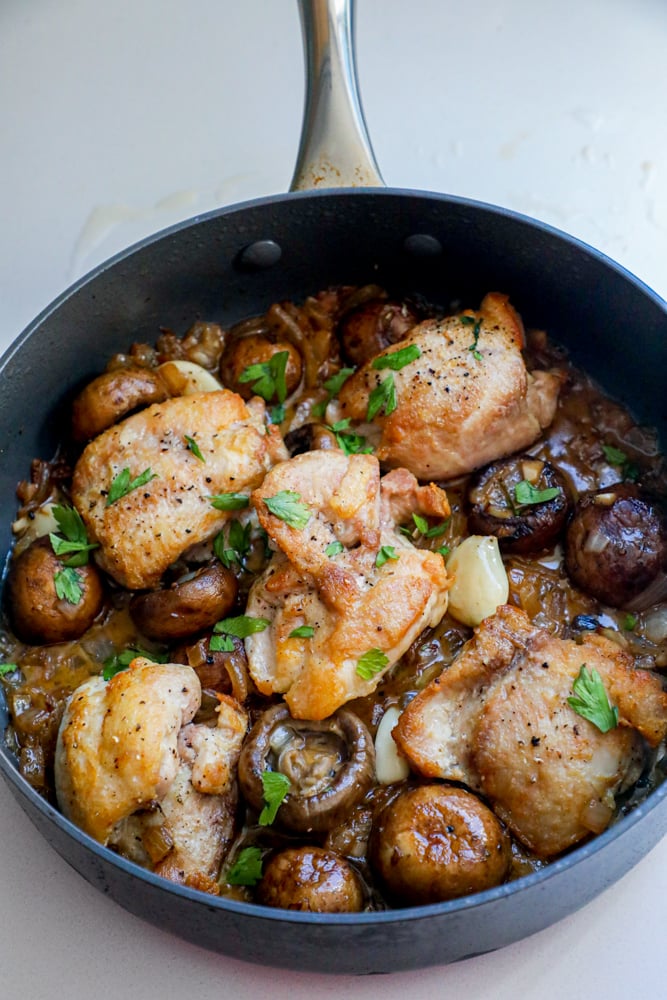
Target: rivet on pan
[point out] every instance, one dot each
(422, 245)
(260, 255)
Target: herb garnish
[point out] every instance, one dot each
(268, 377)
(477, 329)
(333, 385)
(618, 458)
(121, 484)
(194, 448)
(526, 494)
(629, 622)
(68, 585)
(247, 869)
(229, 501)
(383, 397)
(120, 661)
(302, 632)
(422, 527)
(242, 626)
(275, 787)
(75, 543)
(286, 505)
(386, 553)
(277, 413)
(591, 700)
(349, 442)
(236, 546)
(398, 359)
(370, 663)
(7, 668)
(334, 549)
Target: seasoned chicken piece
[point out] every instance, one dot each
(135, 773)
(498, 720)
(143, 532)
(117, 746)
(466, 400)
(353, 605)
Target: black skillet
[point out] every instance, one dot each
(234, 263)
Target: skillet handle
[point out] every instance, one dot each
(335, 150)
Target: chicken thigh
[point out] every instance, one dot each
(144, 531)
(346, 575)
(498, 719)
(465, 400)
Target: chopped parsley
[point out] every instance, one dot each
(443, 551)
(386, 553)
(591, 701)
(235, 546)
(241, 626)
(526, 494)
(398, 359)
(277, 413)
(333, 385)
(629, 622)
(275, 787)
(286, 505)
(122, 484)
(194, 448)
(476, 324)
(348, 441)
(68, 585)
(334, 549)
(620, 460)
(302, 632)
(221, 644)
(120, 661)
(422, 527)
(7, 668)
(247, 869)
(383, 397)
(268, 377)
(75, 544)
(371, 663)
(229, 501)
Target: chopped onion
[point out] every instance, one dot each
(596, 542)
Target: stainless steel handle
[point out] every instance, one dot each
(335, 150)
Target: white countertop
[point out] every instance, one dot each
(118, 119)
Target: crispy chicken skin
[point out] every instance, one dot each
(129, 760)
(498, 720)
(465, 401)
(144, 532)
(353, 605)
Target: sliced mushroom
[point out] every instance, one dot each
(330, 765)
(37, 612)
(519, 527)
(111, 396)
(190, 605)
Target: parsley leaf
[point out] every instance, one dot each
(629, 622)
(234, 547)
(229, 501)
(618, 458)
(277, 413)
(68, 585)
(591, 701)
(7, 668)
(221, 644)
(333, 385)
(194, 448)
(477, 329)
(121, 661)
(302, 632)
(386, 553)
(275, 787)
(286, 505)
(268, 377)
(370, 663)
(398, 359)
(241, 626)
(247, 869)
(443, 551)
(334, 549)
(383, 397)
(348, 441)
(121, 484)
(76, 537)
(525, 493)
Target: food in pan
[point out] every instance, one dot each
(357, 604)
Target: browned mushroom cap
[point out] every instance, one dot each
(256, 349)
(311, 879)
(616, 547)
(438, 842)
(330, 765)
(496, 510)
(366, 331)
(111, 396)
(37, 613)
(310, 437)
(189, 606)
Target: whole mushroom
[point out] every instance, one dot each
(188, 606)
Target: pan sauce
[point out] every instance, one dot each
(586, 422)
